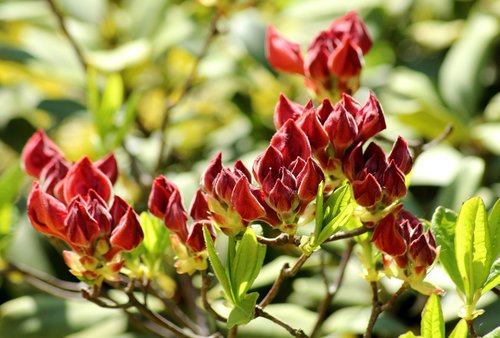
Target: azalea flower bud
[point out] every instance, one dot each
(52, 176)
(37, 153)
(286, 109)
(283, 54)
(109, 167)
(244, 201)
(84, 176)
(387, 236)
(291, 142)
(128, 233)
(195, 240)
(400, 154)
(213, 169)
(370, 118)
(368, 191)
(46, 213)
(346, 61)
(352, 26)
(81, 228)
(199, 206)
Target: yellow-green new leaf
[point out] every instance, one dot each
(460, 331)
(472, 246)
(494, 227)
(432, 325)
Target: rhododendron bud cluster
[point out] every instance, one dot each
(165, 202)
(74, 202)
(334, 58)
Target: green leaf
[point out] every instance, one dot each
(243, 310)
(156, 234)
(493, 334)
(460, 331)
(461, 89)
(472, 246)
(408, 334)
(217, 265)
(127, 118)
(493, 278)
(432, 325)
(494, 228)
(443, 227)
(247, 263)
(10, 183)
(111, 101)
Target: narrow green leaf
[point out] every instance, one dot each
(217, 265)
(340, 198)
(493, 278)
(494, 227)
(128, 118)
(155, 234)
(443, 227)
(432, 325)
(247, 263)
(472, 246)
(243, 311)
(339, 221)
(408, 334)
(319, 209)
(460, 331)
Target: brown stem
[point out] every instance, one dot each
(62, 25)
(233, 332)
(348, 234)
(174, 309)
(206, 280)
(259, 312)
(186, 88)
(390, 304)
(331, 290)
(281, 239)
(376, 310)
(190, 295)
(285, 272)
(472, 331)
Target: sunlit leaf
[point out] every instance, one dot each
(432, 325)
(460, 330)
(243, 310)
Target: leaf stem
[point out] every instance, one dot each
(348, 234)
(472, 331)
(281, 239)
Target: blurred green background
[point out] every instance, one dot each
(433, 63)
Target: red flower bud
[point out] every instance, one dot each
(128, 233)
(387, 237)
(46, 213)
(283, 54)
(423, 250)
(309, 180)
(341, 128)
(394, 181)
(316, 61)
(352, 26)
(175, 216)
(213, 169)
(37, 153)
(370, 119)
(346, 61)
(199, 206)
(281, 198)
(118, 209)
(291, 142)
(97, 208)
(81, 228)
(367, 192)
(160, 195)
(311, 126)
(375, 161)
(285, 110)
(83, 177)
(224, 184)
(241, 170)
(195, 240)
(267, 164)
(52, 176)
(400, 154)
(109, 167)
(244, 202)
(353, 163)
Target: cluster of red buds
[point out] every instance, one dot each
(334, 59)
(408, 249)
(188, 244)
(74, 202)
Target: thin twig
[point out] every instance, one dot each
(62, 25)
(376, 310)
(206, 280)
(186, 88)
(233, 332)
(285, 272)
(174, 309)
(331, 290)
(259, 312)
(281, 239)
(348, 234)
(148, 326)
(472, 331)
(190, 295)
